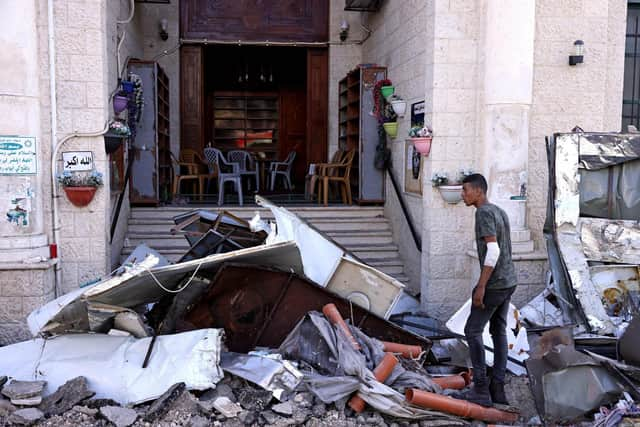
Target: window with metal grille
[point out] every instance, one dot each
(631, 91)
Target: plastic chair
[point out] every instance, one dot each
(216, 161)
(314, 173)
(190, 167)
(246, 165)
(339, 173)
(284, 169)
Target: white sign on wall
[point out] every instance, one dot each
(18, 155)
(74, 161)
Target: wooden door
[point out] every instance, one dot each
(317, 104)
(293, 126)
(191, 98)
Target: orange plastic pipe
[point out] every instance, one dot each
(455, 382)
(332, 313)
(458, 407)
(407, 351)
(381, 372)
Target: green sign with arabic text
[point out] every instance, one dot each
(18, 155)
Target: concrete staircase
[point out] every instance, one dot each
(362, 230)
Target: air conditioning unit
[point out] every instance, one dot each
(363, 5)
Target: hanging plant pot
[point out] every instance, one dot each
(422, 145)
(399, 107)
(451, 194)
(127, 86)
(387, 91)
(120, 103)
(391, 128)
(80, 196)
(112, 141)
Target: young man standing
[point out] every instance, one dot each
(492, 293)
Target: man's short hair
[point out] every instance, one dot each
(477, 181)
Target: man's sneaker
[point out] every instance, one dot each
(476, 394)
(497, 393)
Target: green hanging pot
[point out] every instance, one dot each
(391, 128)
(387, 91)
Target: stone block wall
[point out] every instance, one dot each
(397, 42)
(22, 291)
(452, 88)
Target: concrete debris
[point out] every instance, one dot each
(86, 410)
(285, 408)
(26, 416)
(66, 397)
(25, 393)
(3, 380)
(121, 417)
(226, 407)
(6, 408)
(163, 403)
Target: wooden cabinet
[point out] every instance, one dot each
(151, 172)
(358, 129)
(246, 121)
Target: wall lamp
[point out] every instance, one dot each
(578, 56)
(163, 29)
(344, 30)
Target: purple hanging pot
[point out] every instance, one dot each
(120, 103)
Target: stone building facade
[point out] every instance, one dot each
(494, 76)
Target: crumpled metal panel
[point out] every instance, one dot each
(600, 150)
(610, 240)
(567, 213)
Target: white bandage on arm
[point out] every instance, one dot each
(493, 253)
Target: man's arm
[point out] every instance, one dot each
(489, 263)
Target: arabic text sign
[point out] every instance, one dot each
(74, 161)
(18, 155)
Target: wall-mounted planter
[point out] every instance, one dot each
(451, 194)
(387, 91)
(80, 196)
(399, 107)
(422, 145)
(391, 128)
(120, 103)
(127, 86)
(112, 141)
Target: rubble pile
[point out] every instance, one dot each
(276, 324)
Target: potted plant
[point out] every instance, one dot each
(421, 137)
(117, 133)
(390, 121)
(80, 188)
(120, 102)
(451, 192)
(399, 105)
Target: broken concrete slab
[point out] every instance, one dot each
(6, 408)
(221, 390)
(24, 392)
(3, 380)
(25, 417)
(199, 421)
(226, 407)
(66, 397)
(284, 408)
(161, 405)
(254, 400)
(88, 411)
(121, 417)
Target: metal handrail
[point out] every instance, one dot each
(127, 178)
(407, 215)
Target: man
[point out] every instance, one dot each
(492, 294)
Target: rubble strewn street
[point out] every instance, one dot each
(252, 328)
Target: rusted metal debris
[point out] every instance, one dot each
(259, 306)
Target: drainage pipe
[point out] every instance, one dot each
(453, 382)
(334, 316)
(407, 351)
(459, 407)
(381, 372)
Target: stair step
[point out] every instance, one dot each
(247, 213)
(141, 226)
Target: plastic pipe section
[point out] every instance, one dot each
(458, 407)
(381, 372)
(407, 351)
(334, 316)
(454, 382)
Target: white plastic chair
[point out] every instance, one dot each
(284, 169)
(246, 164)
(216, 161)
